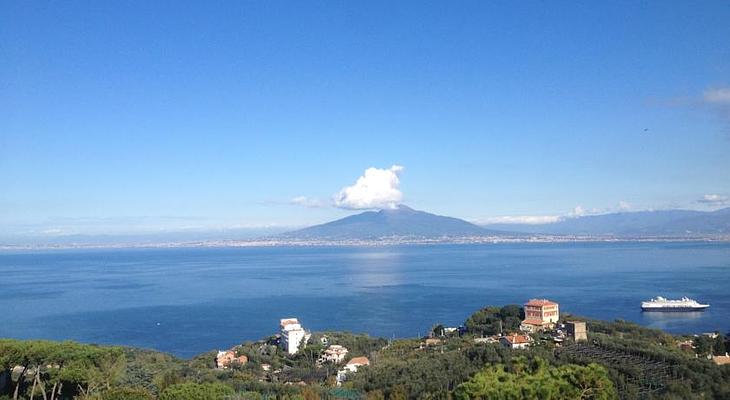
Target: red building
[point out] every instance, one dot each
(540, 314)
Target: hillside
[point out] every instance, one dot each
(620, 360)
(402, 221)
(641, 223)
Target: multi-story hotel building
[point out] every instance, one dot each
(292, 335)
(540, 314)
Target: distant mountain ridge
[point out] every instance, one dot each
(680, 223)
(402, 221)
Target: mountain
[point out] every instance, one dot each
(401, 221)
(640, 223)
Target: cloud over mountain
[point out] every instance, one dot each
(714, 199)
(376, 189)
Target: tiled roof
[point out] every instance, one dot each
(540, 302)
(518, 339)
(335, 349)
(721, 360)
(225, 358)
(288, 321)
(530, 321)
(359, 361)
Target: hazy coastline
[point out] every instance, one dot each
(377, 242)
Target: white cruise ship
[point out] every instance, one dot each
(662, 304)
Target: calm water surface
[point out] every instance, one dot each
(187, 301)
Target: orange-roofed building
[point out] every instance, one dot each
(721, 360)
(351, 367)
(358, 362)
(225, 359)
(540, 314)
(516, 341)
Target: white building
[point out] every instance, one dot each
(350, 367)
(292, 335)
(334, 354)
(516, 341)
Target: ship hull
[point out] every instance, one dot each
(673, 309)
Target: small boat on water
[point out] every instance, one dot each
(662, 304)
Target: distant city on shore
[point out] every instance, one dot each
(403, 225)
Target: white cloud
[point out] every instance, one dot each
(376, 189)
(578, 211)
(714, 199)
(520, 219)
(307, 202)
(719, 96)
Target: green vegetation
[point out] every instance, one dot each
(54, 370)
(705, 345)
(196, 391)
(537, 380)
(493, 320)
(620, 360)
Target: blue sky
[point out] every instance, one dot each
(129, 116)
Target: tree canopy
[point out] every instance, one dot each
(196, 391)
(493, 320)
(537, 380)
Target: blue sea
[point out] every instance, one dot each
(190, 300)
